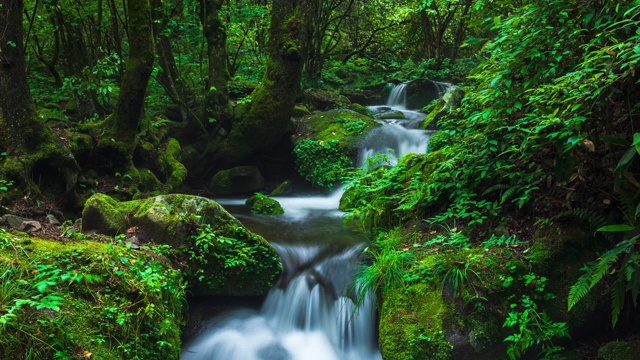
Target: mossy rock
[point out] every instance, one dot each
(264, 205)
(234, 260)
(236, 181)
(559, 252)
(391, 115)
(421, 92)
(345, 126)
(324, 99)
(620, 350)
(121, 304)
(300, 111)
(360, 109)
(283, 189)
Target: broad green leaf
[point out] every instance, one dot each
(616, 228)
(626, 159)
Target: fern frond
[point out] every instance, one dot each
(581, 288)
(617, 300)
(494, 188)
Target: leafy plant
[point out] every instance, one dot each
(533, 326)
(321, 163)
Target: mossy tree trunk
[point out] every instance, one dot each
(264, 121)
(32, 148)
(217, 100)
(124, 122)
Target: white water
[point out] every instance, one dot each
(396, 137)
(310, 313)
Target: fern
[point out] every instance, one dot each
(591, 217)
(581, 288)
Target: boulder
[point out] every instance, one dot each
(236, 181)
(264, 205)
(220, 256)
(422, 92)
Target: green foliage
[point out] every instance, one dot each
(263, 204)
(210, 246)
(533, 326)
(321, 163)
(389, 263)
(103, 299)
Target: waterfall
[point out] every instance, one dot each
(309, 314)
(398, 96)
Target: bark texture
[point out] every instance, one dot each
(264, 121)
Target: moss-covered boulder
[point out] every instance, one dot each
(449, 102)
(236, 181)
(220, 255)
(319, 99)
(442, 317)
(73, 299)
(326, 144)
(264, 205)
(620, 350)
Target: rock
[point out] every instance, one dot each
(221, 257)
(51, 219)
(422, 92)
(324, 100)
(360, 109)
(13, 221)
(236, 181)
(30, 226)
(264, 205)
(102, 214)
(619, 350)
(285, 188)
(390, 114)
(453, 98)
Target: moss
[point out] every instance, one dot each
(433, 111)
(360, 109)
(118, 304)
(285, 188)
(148, 181)
(620, 350)
(264, 205)
(177, 171)
(221, 257)
(102, 213)
(300, 111)
(408, 331)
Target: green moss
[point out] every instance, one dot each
(177, 171)
(204, 237)
(264, 205)
(148, 181)
(300, 111)
(620, 350)
(102, 213)
(408, 331)
(110, 301)
(433, 111)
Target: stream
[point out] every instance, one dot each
(310, 313)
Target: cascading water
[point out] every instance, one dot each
(399, 133)
(398, 96)
(310, 313)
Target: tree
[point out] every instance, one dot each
(124, 122)
(32, 148)
(217, 98)
(261, 123)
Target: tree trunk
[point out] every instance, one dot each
(217, 99)
(32, 149)
(263, 122)
(126, 118)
